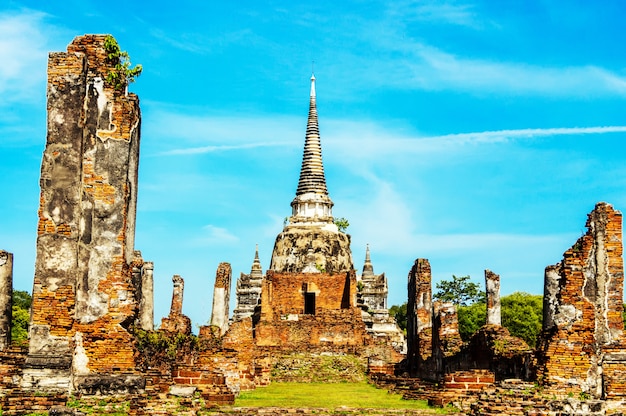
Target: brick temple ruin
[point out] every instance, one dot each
(92, 318)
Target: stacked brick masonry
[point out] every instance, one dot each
(83, 294)
(419, 318)
(583, 318)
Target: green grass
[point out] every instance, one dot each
(326, 395)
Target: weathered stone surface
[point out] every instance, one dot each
(221, 297)
(249, 291)
(583, 304)
(492, 289)
(331, 249)
(419, 318)
(176, 321)
(83, 285)
(146, 306)
(372, 299)
(6, 298)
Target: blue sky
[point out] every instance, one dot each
(476, 134)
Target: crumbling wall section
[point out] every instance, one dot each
(6, 298)
(420, 318)
(583, 305)
(83, 284)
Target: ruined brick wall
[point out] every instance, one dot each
(335, 320)
(83, 286)
(419, 316)
(446, 337)
(221, 297)
(284, 293)
(6, 298)
(583, 305)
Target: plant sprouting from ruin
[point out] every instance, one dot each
(122, 74)
(342, 224)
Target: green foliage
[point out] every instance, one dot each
(342, 224)
(20, 317)
(460, 291)
(111, 406)
(122, 74)
(334, 396)
(22, 299)
(399, 313)
(471, 319)
(522, 315)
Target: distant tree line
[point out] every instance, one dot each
(522, 313)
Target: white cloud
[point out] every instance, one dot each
(24, 44)
(216, 235)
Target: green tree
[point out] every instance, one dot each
(399, 313)
(471, 319)
(20, 317)
(460, 291)
(522, 315)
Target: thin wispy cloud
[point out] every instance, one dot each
(214, 149)
(212, 234)
(435, 12)
(360, 139)
(23, 47)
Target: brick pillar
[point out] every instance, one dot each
(146, 306)
(492, 288)
(83, 285)
(6, 298)
(582, 347)
(176, 322)
(419, 316)
(221, 297)
(446, 337)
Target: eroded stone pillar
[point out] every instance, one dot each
(6, 298)
(146, 306)
(83, 287)
(419, 316)
(221, 297)
(176, 322)
(492, 288)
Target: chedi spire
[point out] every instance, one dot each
(312, 203)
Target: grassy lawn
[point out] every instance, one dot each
(325, 395)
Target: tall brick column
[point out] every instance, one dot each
(221, 297)
(6, 298)
(419, 317)
(84, 298)
(492, 289)
(583, 346)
